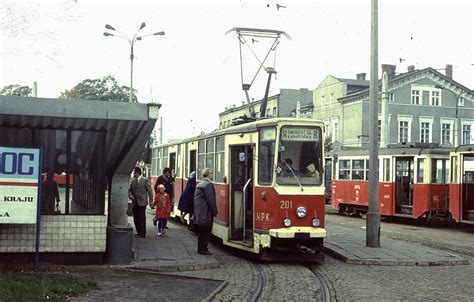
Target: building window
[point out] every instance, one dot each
(274, 111)
(390, 97)
(379, 132)
(466, 134)
(460, 102)
(415, 97)
(322, 100)
(445, 134)
(335, 131)
(403, 132)
(425, 133)
(435, 101)
(332, 98)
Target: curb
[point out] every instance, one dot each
(359, 261)
(173, 268)
(213, 294)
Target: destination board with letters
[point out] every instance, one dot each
(301, 134)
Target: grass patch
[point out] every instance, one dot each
(15, 287)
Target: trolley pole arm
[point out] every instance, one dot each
(263, 106)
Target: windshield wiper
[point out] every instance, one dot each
(294, 175)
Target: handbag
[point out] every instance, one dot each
(129, 209)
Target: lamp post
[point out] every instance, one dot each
(456, 126)
(132, 41)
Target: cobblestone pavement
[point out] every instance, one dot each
(399, 283)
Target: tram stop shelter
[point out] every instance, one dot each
(92, 147)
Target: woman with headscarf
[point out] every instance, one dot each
(186, 201)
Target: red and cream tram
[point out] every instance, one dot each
(268, 181)
(461, 187)
(413, 181)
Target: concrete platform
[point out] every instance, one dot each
(174, 251)
(351, 249)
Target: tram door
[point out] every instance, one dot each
(241, 193)
(467, 188)
(404, 185)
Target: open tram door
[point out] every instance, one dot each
(241, 193)
(404, 185)
(467, 187)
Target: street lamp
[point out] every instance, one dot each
(132, 41)
(456, 126)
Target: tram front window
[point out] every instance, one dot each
(299, 156)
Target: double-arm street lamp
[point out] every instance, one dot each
(132, 41)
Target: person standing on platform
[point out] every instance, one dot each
(167, 180)
(186, 200)
(205, 209)
(141, 195)
(49, 195)
(162, 205)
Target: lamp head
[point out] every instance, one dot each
(142, 25)
(108, 26)
(107, 34)
(160, 33)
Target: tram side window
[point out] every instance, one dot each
(266, 155)
(210, 154)
(219, 170)
(386, 169)
(358, 169)
(420, 170)
(344, 169)
(367, 169)
(201, 158)
(454, 169)
(439, 171)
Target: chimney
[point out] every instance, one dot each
(449, 71)
(360, 76)
(411, 68)
(389, 69)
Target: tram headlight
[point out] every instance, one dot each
(287, 222)
(301, 212)
(315, 222)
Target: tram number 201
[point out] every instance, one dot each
(286, 204)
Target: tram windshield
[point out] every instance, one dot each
(299, 156)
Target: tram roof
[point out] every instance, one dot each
(128, 125)
(357, 151)
(246, 127)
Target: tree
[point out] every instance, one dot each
(328, 143)
(16, 90)
(105, 89)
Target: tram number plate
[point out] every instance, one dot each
(301, 235)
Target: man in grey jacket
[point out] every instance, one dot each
(205, 209)
(141, 195)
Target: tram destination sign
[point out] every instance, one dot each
(301, 134)
(19, 174)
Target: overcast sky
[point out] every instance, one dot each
(194, 70)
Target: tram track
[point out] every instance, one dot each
(325, 290)
(257, 293)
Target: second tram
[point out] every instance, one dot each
(413, 181)
(461, 187)
(269, 184)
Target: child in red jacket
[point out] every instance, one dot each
(162, 205)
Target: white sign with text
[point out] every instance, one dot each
(19, 172)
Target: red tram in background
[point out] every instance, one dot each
(413, 181)
(265, 207)
(461, 187)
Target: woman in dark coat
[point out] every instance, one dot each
(186, 201)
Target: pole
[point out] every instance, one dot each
(384, 124)
(131, 73)
(373, 215)
(161, 130)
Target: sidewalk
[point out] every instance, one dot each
(174, 251)
(351, 249)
